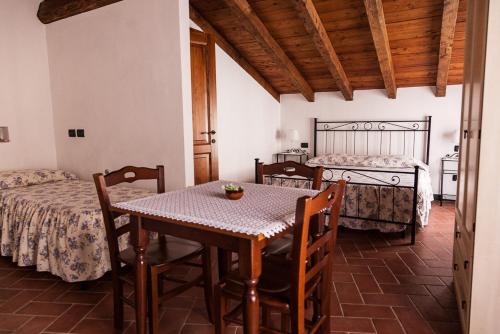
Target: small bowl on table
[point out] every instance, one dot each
(233, 192)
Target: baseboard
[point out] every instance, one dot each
(437, 197)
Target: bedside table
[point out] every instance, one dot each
(298, 157)
(449, 166)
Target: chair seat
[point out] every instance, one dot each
(281, 246)
(274, 284)
(176, 250)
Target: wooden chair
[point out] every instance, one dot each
(287, 284)
(290, 169)
(163, 254)
(314, 175)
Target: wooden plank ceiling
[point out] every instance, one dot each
(307, 46)
(412, 42)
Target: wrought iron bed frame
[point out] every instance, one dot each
(421, 128)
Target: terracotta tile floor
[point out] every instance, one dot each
(382, 286)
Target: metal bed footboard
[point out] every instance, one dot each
(390, 179)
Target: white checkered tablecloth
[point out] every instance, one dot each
(263, 209)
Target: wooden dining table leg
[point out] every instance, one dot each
(250, 267)
(139, 238)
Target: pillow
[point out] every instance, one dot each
(29, 177)
(374, 161)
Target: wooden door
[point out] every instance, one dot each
(206, 167)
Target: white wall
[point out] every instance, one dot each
(121, 73)
(25, 105)
(248, 121)
(485, 304)
(411, 103)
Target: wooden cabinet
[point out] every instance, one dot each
(470, 143)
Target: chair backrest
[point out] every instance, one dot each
(127, 174)
(314, 239)
(289, 169)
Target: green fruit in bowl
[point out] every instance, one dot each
(233, 188)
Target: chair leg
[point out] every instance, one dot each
(325, 300)
(161, 287)
(316, 305)
(117, 301)
(297, 319)
(285, 320)
(266, 317)
(153, 300)
(209, 279)
(220, 311)
(225, 261)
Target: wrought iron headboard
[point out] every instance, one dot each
(411, 138)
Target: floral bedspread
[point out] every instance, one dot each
(58, 227)
(373, 200)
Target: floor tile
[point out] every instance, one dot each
(387, 326)
(42, 308)
(12, 322)
(383, 275)
(348, 293)
(412, 279)
(69, 319)
(366, 283)
(367, 311)
(357, 325)
(35, 325)
(386, 299)
(93, 326)
(405, 289)
(81, 297)
(412, 322)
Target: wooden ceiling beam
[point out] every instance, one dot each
(253, 24)
(375, 13)
(54, 10)
(449, 22)
(225, 45)
(316, 29)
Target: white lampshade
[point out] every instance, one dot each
(292, 135)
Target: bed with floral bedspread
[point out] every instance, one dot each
(380, 187)
(52, 220)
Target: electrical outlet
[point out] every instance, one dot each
(4, 134)
(456, 148)
(80, 133)
(72, 133)
(304, 145)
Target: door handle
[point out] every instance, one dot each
(465, 134)
(209, 132)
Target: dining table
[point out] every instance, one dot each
(202, 213)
